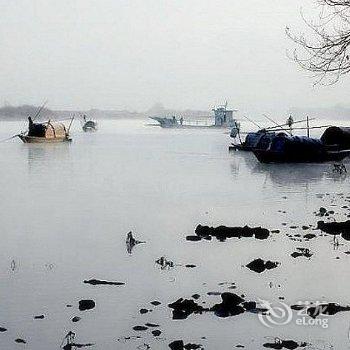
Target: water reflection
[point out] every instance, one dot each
(46, 153)
(286, 175)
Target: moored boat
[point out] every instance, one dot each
(223, 118)
(45, 132)
(89, 125)
(283, 148)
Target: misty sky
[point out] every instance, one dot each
(82, 54)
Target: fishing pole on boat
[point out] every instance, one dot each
(39, 110)
(9, 138)
(252, 121)
(70, 124)
(277, 125)
(305, 128)
(296, 122)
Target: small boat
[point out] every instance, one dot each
(223, 118)
(283, 148)
(89, 125)
(48, 132)
(251, 141)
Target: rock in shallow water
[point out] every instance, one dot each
(86, 305)
(259, 265)
(96, 282)
(284, 344)
(222, 232)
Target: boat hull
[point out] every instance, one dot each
(89, 129)
(240, 147)
(266, 156)
(34, 139)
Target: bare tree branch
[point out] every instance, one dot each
(325, 52)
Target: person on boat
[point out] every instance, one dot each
(31, 124)
(174, 120)
(36, 130)
(181, 120)
(290, 121)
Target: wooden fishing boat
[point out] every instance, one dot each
(46, 132)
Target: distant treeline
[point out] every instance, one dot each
(22, 112)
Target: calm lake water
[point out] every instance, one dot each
(66, 210)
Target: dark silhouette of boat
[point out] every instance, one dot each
(89, 125)
(252, 140)
(334, 145)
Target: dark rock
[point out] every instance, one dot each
(193, 238)
(177, 345)
(284, 344)
(152, 325)
(2, 329)
(95, 282)
(190, 266)
(322, 212)
(20, 341)
(309, 236)
(229, 305)
(140, 328)
(131, 242)
(302, 252)
(76, 319)
(39, 317)
(164, 263)
(143, 311)
(155, 303)
(335, 228)
(259, 265)
(182, 308)
(156, 332)
(196, 296)
(222, 232)
(326, 309)
(191, 346)
(86, 305)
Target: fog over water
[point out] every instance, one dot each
(66, 210)
(130, 54)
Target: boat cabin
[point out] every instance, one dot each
(337, 137)
(224, 117)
